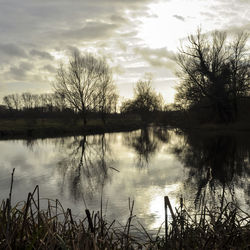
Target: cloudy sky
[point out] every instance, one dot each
(136, 37)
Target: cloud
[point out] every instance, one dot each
(234, 30)
(49, 68)
(208, 14)
(91, 31)
(181, 18)
(159, 52)
(157, 57)
(40, 22)
(229, 13)
(129, 34)
(41, 54)
(12, 50)
(19, 72)
(118, 19)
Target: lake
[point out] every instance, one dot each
(142, 165)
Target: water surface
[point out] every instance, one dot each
(143, 165)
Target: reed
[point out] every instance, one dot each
(29, 225)
(226, 227)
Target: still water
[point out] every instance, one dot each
(143, 165)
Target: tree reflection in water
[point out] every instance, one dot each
(145, 143)
(85, 167)
(217, 165)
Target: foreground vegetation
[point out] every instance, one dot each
(29, 225)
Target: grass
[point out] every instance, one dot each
(21, 128)
(226, 227)
(27, 226)
(53, 127)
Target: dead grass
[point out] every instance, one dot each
(27, 226)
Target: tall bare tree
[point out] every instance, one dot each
(215, 73)
(81, 80)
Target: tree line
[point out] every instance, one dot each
(85, 85)
(27, 101)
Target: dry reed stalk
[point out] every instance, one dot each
(26, 225)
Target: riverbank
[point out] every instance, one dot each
(212, 128)
(236, 126)
(42, 128)
(188, 125)
(51, 127)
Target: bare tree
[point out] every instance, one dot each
(59, 101)
(214, 72)
(36, 100)
(145, 99)
(27, 100)
(81, 80)
(107, 95)
(47, 101)
(8, 102)
(12, 101)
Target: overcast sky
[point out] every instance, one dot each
(136, 36)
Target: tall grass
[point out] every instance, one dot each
(27, 225)
(226, 227)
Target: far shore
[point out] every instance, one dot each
(48, 128)
(218, 128)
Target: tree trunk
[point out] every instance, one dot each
(235, 109)
(84, 120)
(104, 118)
(84, 117)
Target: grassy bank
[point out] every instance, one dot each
(236, 126)
(13, 128)
(185, 124)
(28, 225)
(39, 128)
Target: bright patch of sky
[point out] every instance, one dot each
(172, 21)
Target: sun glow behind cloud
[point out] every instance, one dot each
(171, 21)
(167, 26)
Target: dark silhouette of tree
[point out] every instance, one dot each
(27, 100)
(85, 83)
(215, 73)
(46, 102)
(60, 101)
(12, 101)
(105, 100)
(145, 99)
